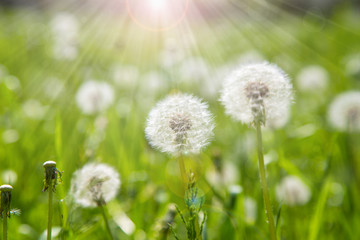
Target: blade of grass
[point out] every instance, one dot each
(315, 224)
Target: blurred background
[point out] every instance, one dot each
(143, 50)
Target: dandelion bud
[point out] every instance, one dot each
(5, 200)
(257, 93)
(51, 175)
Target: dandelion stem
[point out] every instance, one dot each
(106, 221)
(264, 184)
(50, 210)
(182, 169)
(5, 226)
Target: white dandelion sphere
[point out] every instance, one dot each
(259, 91)
(292, 191)
(344, 112)
(180, 124)
(95, 184)
(94, 97)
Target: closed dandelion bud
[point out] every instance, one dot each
(344, 112)
(180, 124)
(94, 185)
(51, 175)
(5, 200)
(257, 93)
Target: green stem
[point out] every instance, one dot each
(106, 221)
(268, 209)
(182, 169)
(50, 210)
(5, 226)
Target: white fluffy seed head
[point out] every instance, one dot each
(94, 184)
(344, 112)
(180, 124)
(292, 191)
(259, 91)
(94, 97)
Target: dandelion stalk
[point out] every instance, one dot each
(182, 169)
(5, 227)
(50, 213)
(265, 191)
(50, 181)
(5, 206)
(102, 208)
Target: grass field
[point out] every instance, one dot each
(40, 121)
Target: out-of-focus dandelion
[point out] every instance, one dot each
(33, 109)
(94, 185)
(10, 136)
(352, 63)
(172, 53)
(180, 124)
(292, 191)
(53, 87)
(3, 71)
(344, 112)
(250, 210)
(194, 70)
(226, 176)
(313, 78)
(9, 176)
(12, 83)
(94, 97)
(64, 27)
(5, 209)
(153, 83)
(257, 94)
(125, 76)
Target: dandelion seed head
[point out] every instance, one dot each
(344, 112)
(292, 191)
(94, 97)
(94, 184)
(180, 123)
(260, 91)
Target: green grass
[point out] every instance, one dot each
(320, 159)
